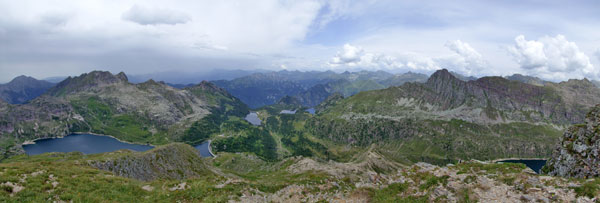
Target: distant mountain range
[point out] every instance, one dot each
(174, 77)
(312, 87)
(22, 89)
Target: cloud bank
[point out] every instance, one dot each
(465, 60)
(57, 38)
(553, 58)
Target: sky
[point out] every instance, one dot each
(553, 40)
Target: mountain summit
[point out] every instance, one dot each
(22, 89)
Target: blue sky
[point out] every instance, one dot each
(554, 40)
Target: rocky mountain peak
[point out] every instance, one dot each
(208, 87)
(578, 154)
(205, 85)
(122, 76)
(443, 79)
(86, 81)
(576, 83)
(106, 77)
(441, 75)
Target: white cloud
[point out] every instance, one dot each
(41, 37)
(350, 55)
(154, 16)
(552, 58)
(355, 56)
(467, 60)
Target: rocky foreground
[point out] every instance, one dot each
(578, 154)
(168, 174)
(422, 182)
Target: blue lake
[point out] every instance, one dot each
(311, 111)
(92, 144)
(85, 143)
(203, 148)
(535, 165)
(252, 117)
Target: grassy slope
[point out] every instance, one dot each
(413, 139)
(75, 181)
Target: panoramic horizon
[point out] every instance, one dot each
(299, 101)
(543, 39)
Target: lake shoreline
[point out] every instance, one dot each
(210, 150)
(515, 159)
(29, 142)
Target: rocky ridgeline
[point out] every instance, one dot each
(472, 181)
(578, 152)
(173, 161)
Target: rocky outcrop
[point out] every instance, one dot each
(578, 154)
(173, 161)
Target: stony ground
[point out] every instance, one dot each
(238, 177)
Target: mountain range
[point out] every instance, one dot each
(447, 118)
(363, 143)
(311, 87)
(103, 103)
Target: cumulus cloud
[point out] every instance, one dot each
(552, 58)
(350, 55)
(355, 56)
(468, 60)
(465, 60)
(151, 16)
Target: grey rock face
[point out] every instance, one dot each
(174, 161)
(577, 154)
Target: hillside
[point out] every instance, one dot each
(22, 89)
(447, 119)
(245, 178)
(173, 161)
(103, 103)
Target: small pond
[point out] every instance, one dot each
(534, 164)
(252, 117)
